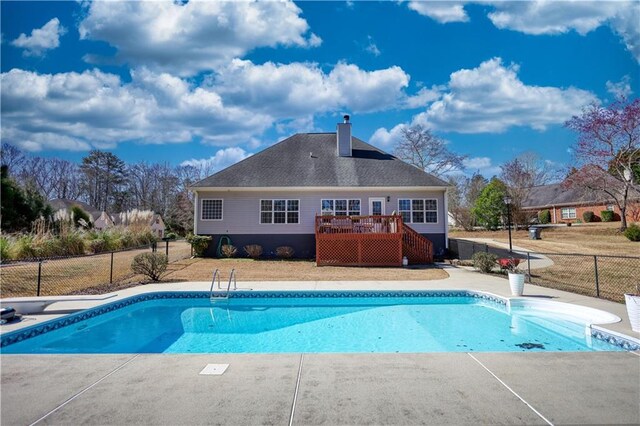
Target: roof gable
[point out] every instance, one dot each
(311, 160)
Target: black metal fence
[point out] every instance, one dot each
(78, 274)
(604, 276)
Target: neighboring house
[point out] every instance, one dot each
(567, 204)
(101, 220)
(273, 197)
(143, 218)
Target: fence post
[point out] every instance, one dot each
(529, 266)
(167, 249)
(595, 266)
(111, 270)
(39, 276)
(486, 248)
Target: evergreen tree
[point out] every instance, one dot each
(18, 207)
(489, 208)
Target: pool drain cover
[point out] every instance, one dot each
(214, 369)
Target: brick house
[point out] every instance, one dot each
(567, 205)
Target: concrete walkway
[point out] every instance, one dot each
(538, 261)
(310, 389)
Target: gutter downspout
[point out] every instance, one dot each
(195, 213)
(446, 218)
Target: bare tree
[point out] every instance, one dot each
(462, 195)
(13, 158)
(423, 149)
(519, 175)
(608, 151)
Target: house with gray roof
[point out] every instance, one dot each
(567, 204)
(272, 198)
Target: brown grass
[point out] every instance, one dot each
(576, 274)
(294, 270)
(591, 238)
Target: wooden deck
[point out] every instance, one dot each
(368, 241)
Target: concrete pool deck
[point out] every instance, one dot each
(305, 389)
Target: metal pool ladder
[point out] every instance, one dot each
(232, 277)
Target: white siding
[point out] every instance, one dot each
(242, 210)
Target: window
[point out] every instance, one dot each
(211, 209)
(611, 208)
(569, 213)
(341, 207)
(418, 210)
(279, 211)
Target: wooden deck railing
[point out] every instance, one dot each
(359, 240)
(417, 248)
(368, 241)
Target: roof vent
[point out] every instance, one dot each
(343, 136)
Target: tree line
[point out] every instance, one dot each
(102, 180)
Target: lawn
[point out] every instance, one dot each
(616, 276)
(592, 238)
(294, 270)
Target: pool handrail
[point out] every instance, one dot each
(216, 274)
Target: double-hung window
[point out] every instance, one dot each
(568, 213)
(418, 210)
(341, 207)
(211, 209)
(279, 211)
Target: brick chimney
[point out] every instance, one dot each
(344, 138)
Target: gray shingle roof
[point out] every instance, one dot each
(64, 203)
(558, 195)
(310, 159)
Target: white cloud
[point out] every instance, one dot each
(371, 47)
(223, 158)
(301, 89)
(423, 97)
(384, 138)
(477, 162)
(491, 98)
(199, 35)
(95, 109)
(553, 17)
(621, 89)
(41, 39)
(538, 17)
(441, 11)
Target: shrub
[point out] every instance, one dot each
(633, 232)
(588, 216)
(285, 252)
(544, 216)
(254, 251)
(484, 261)
(80, 217)
(98, 245)
(199, 243)
(4, 249)
(72, 243)
(171, 236)
(228, 250)
(606, 215)
(152, 265)
(23, 248)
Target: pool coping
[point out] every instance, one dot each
(592, 328)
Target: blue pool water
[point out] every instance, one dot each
(317, 324)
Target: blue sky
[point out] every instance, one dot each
(211, 82)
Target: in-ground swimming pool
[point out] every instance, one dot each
(281, 322)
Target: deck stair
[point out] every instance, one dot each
(415, 247)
